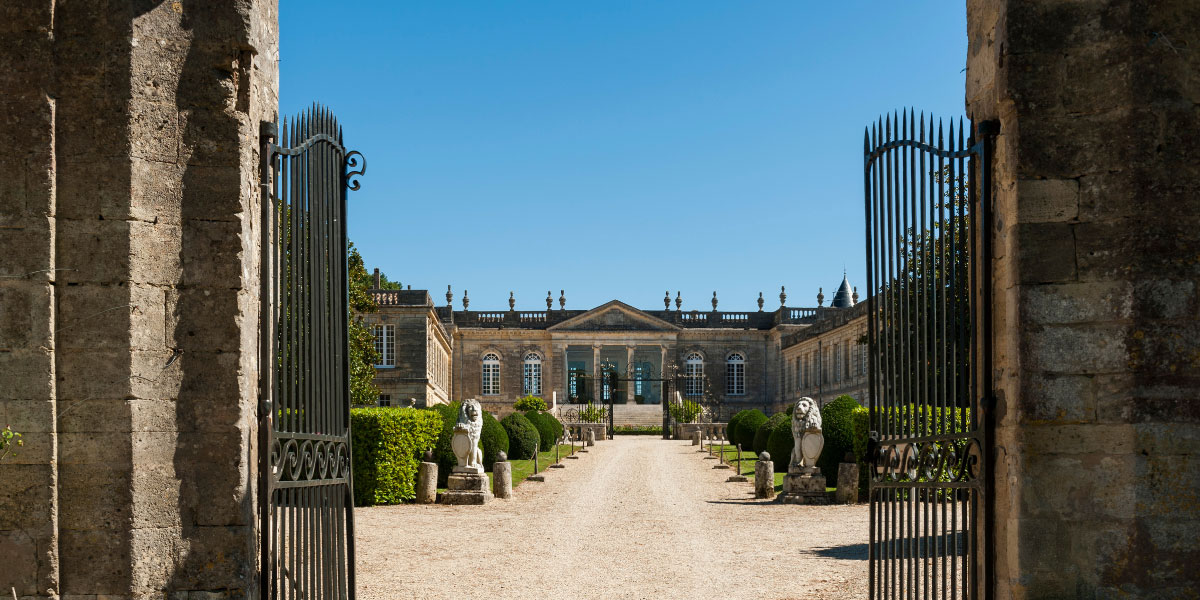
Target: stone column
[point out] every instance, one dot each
(1094, 292)
(502, 477)
(427, 474)
(764, 477)
(628, 364)
(129, 167)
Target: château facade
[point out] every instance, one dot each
(759, 359)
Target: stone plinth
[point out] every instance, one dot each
(764, 477)
(467, 487)
(847, 484)
(427, 474)
(695, 438)
(805, 485)
(502, 480)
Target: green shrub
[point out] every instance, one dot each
(388, 444)
(591, 413)
(529, 403)
(747, 426)
(837, 425)
(523, 437)
(549, 429)
(780, 442)
(492, 439)
(731, 426)
(764, 432)
(686, 411)
(862, 430)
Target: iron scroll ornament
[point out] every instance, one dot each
(945, 461)
(354, 158)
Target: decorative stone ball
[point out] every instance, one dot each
(501, 456)
(764, 456)
(428, 457)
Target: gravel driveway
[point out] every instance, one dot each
(635, 517)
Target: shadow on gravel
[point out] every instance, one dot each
(738, 501)
(847, 552)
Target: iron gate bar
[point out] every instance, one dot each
(929, 335)
(305, 480)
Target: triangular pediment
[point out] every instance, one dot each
(614, 316)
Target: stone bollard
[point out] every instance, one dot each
(696, 437)
(847, 483)
(427, 474)
(591, 437)
(502, 477)
(764, 477)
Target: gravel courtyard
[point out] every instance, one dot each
(635, 517)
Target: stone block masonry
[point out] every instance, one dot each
(129, 293)
(1096, 233)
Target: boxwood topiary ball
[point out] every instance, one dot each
(523, 437)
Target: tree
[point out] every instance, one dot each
(363, 356)
(926, 301)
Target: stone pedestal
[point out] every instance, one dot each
(427, 474)
(805, 485)
(502, 480)
(764, 477)
(467, 486)
(696, 438)
(847, 484)
(591, 437)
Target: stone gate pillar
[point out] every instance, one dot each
(129, 293)
(1097, 233)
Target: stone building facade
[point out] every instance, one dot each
(734, 360)
(414, 349)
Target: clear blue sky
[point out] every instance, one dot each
(617, 149)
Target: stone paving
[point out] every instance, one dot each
(636, 517)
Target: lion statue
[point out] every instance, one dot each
(806, 433)
(465, 438)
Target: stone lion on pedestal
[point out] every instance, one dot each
(806, 432)
(465, 438)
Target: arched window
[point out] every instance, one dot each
(693, 372)
(491, 375)
(533, 374)
(735, 375)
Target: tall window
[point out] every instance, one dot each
(846, 352)
(533, 374)
(491, 375)
(799, 373)
(735, 375)
(385, 345)
(693, 372)
(837, 362)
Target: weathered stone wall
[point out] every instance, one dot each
(421, 342)
(1097, 224)
(130, 197)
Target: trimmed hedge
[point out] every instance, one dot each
(764, 432)
(780, 443)
(837, 425)
(637, 430)
(388, 444)
(747, 426)
(492, 438)
(549, 429)
(523, 437)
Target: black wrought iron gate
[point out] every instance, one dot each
(927, 197)
(305, 485)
